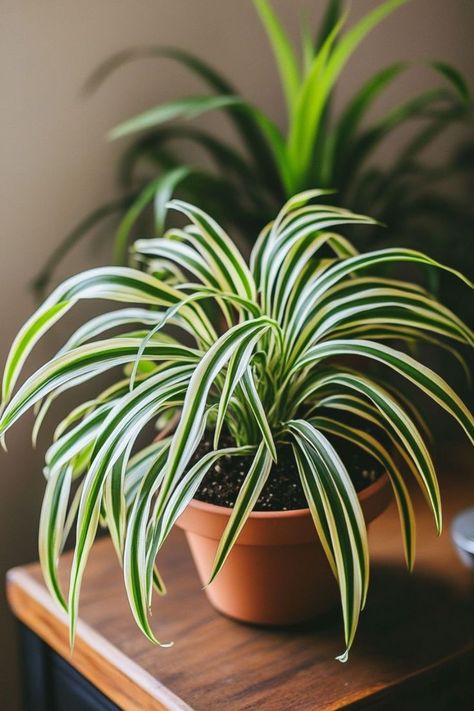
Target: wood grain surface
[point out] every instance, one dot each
(414, 644)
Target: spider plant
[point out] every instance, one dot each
(267, 365)
(245, 185)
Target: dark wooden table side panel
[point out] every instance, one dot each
(49, 683)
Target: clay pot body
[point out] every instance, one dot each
(277, 572)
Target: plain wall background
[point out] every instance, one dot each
(56, 164)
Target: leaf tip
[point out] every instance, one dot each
(72, 635)
(113, 134)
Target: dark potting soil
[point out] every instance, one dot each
(283, 490)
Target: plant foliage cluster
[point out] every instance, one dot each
(246, 185)
(271, 352)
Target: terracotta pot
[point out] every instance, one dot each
(277, 572)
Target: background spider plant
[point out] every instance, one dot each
(278, 373)
(243, 186)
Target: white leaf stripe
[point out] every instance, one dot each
(313, 292)
(251, 394)
(188, 258)
(193, 409)
(318, 486)
(249, 307)
(50, 537)
(77, 439)
(314, 220)
(400, 332)
(41, 407)
(113, 319)
(114, 502)
(235, 370)
(234, 266)
(189, 484)
(368, 443)
(386, 414)
(134, 559)
(85, 362)
(119, 431)
(167, 317)
(382, 305)
(301, 255)
(170, 248)
(323, 478)
(421, 375)
(25, 341)
(345, 487)
(318, 505)
(366, 410)
(369, 412)
(268, 233)
(246, 499)
(399, 422)
(138, 466)
(77, 413)
(118, 284)
(357, 284)
(153, 534)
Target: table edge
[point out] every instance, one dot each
(99, 661)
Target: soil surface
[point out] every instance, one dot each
(283, 490)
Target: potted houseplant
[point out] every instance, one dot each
(269, 378)
(244, 182)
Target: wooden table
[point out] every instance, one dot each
(414, 645)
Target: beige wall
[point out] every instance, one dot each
(55, 163)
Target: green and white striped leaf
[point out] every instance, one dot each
(211, 240)
(189, 484)
(251, 394)
(116, 284)
(106, 322)
(248, 495)
(84, 363)
(120, 430)
(134, 558)
(314, 291)
(397, 421)
(51, 529)
(331, 489)
(372, 446)
(426, 379)
(75, 440)
(195, 402)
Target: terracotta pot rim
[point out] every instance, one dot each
(366, 493)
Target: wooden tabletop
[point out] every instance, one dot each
(415, 636)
